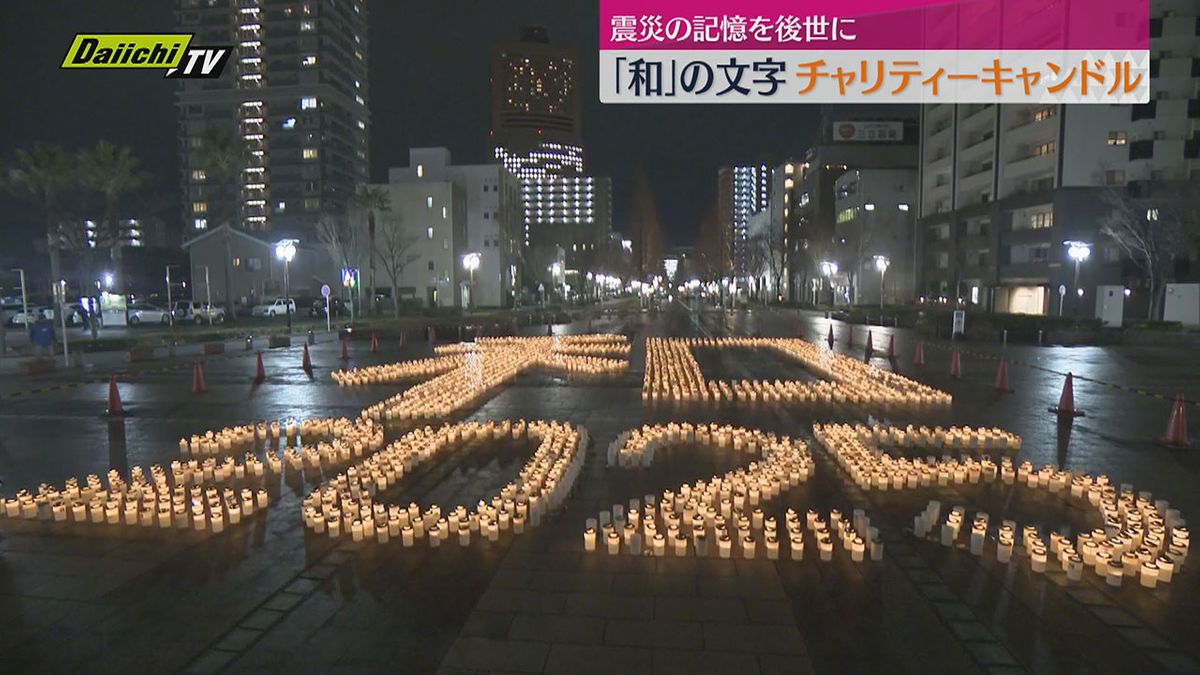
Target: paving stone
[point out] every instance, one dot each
(991, 653)
(784, 664)
(609, 606)
(1089, 596)
(654, 633)
(520, 600)
(601, 660)
(728, 610)
(283, 601)
(760, 638)
(487, 624)
(261, 619)
(303, 586)
(1174, 662)
(557, 628)
(689, 662)
(211, 661)
(770, 611)
(496, 655)
(971, 631)
(1115, 617)
(238, 639)
(320, 572)
(936, 592)
(1143, 638)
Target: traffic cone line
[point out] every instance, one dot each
(1176, 435)
(955, 364)
(870, 343)
(1066, 400)
(260, 373)
(891, 353)
(830, 338)
(345, 350)
(1002, 376)
(307, 362)
(850, 336)
(374, 344)
(115, 409)
(197, 379)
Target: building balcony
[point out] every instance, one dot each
(1030, 164)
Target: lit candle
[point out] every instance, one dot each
(589, 539)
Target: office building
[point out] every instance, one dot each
(294, 97)
(742, 191)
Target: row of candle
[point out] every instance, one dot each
(138, 502)
(854, 449)
(486, 366)
(704, 509)
(396, 372)
(1112, 557)
(345, 504)
(673, 374)
(290, 432)
(968, 438)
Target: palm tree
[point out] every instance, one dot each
(42, 173)
(371, 200)
(113, 172)
(222, 156)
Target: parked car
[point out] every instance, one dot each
(277, 307)
(147, 313)
(35, 314)
(336, 307)
(198, 312)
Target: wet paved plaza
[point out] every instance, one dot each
(268, 595)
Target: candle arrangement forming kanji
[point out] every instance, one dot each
(1136, 537)
(208, 489)
(672, 374)
(490, 363)
(727, 510)
(346, 504)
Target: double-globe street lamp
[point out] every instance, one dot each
(285, 250)
(1077, 251)
(881, 264)
(829, 269)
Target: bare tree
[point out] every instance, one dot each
(1154, 230)
(391, 249)
(861, 236)
(342, 238)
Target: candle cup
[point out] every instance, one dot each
(589, 539)
(614, 543)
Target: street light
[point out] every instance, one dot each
(881, 264)
(1078, 251)
(828, 270)
(285, 250)
(470, 262)
(556, 272)
(108, 280)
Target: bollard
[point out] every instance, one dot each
(1039, 337)
(249, 343)
(1004, 337)
(171, 348)
(312, 339)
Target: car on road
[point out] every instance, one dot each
(277, 307)
(147, 313)
(35, 314)
(198, 312)
(336, 307)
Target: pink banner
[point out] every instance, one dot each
(1097, 25)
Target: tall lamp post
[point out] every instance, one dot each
(1078, 251)
(881, 264)
(470, 262)
(829, 269)
(556, 271)
(285, 250)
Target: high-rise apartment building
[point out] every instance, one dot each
(742, 191)
(1003, 187)
(294, 98)
(535, 98)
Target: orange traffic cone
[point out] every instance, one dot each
(891, 346)
(1002, 376)
(432, 335)
(955, 364)
(1176, 435)
(870, 344)
(345, 350)
(260, 373)
(849, 336)
(1066, 400)
(549, 329)
(114, 398)
(374, 344)
(307, 363)
(919, 357)
(197, 379)
(830, 338)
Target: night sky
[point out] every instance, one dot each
(429, 86)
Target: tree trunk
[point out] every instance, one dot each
(230, 315)
(395, 300)
(371, 258)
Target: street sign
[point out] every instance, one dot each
(325, 291)
(960, 320)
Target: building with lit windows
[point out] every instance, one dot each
(490, 224)
(1003, 187)
(742, 191)
(572, 213)
(294, 94)
(536, 130)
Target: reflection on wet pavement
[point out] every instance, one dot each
(270, 596)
